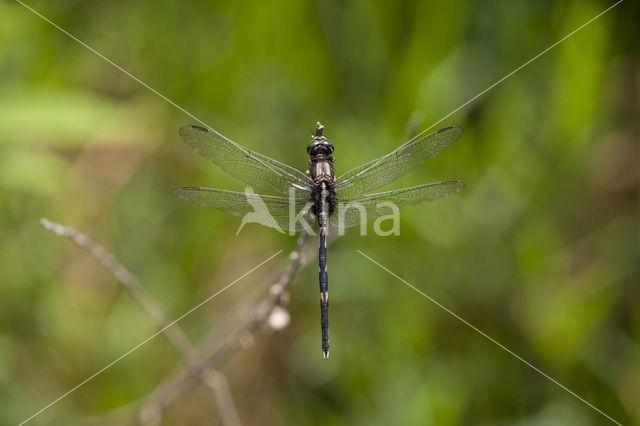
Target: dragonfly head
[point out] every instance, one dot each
(319, 145)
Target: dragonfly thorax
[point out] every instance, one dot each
(321, 160)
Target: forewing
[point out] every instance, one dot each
(266, 210)
(351, 211)
(384, 170)
(250, 167)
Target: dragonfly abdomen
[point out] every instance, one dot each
(323, 200)
(317, 199)
(323, 278)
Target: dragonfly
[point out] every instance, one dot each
(315, 198)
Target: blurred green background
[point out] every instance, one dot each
(540, 251)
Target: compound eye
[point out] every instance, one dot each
(310, 146)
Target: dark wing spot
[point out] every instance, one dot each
(444, 129)
(202, 129)
(191, 188)
(455, 182)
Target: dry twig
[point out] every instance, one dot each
(212, 379)
(269, 312)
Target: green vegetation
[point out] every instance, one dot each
(541, 251)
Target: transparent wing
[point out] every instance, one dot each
(351, 211)
(250, 167)
(266, 210)
(386, 169)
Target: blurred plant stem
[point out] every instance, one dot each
(196, 361)
(217, 353)
(212, 379)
